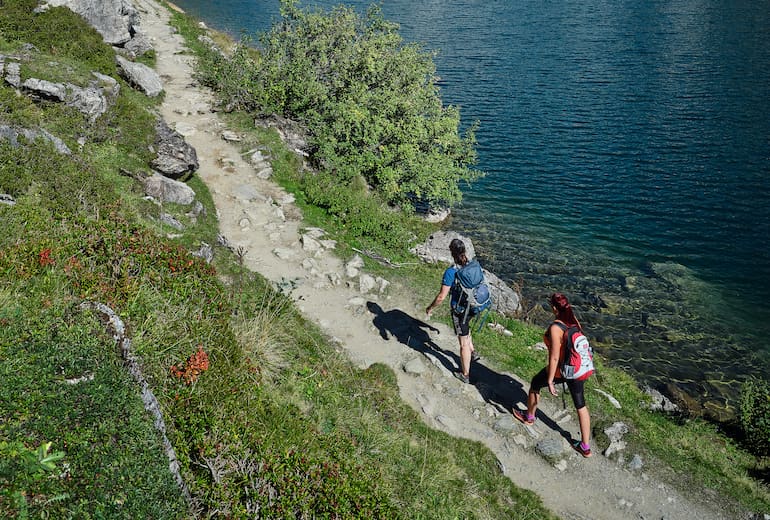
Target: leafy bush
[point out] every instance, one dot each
(755, 415)
(369, 101)
(361, 217)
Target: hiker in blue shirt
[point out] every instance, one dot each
(461, 320)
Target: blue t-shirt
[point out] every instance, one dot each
(449, 280)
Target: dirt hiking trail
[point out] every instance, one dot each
(258, 216)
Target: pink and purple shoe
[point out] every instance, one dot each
(523, 417)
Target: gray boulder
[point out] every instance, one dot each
(12, 73)
(436, 248)
(12, 134)
(141, 76)
(168, 190)
(107, 84)
(292, 133)
(176, 158)
(504, 299)
(138, 45)
(45, 89)
(113, 19)
(659, 401)
(90, 101)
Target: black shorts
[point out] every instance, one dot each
(575, 387)
(462, 323)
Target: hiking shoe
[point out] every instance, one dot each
(462, 377)
(523, 417)
(475, 356)
(583, 449)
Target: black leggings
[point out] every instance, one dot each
(575, 387)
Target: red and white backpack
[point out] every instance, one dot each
(577, 357)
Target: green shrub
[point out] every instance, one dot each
(755, 415)
(369, 101)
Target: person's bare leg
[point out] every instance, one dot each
(533, 399)
(585, 425)
(465, 354)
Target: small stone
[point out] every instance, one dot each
(284, 254)
(229, 135)
(415, 367)
(366, 283)
(636, 463)
(356, 301)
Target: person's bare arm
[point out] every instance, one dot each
(442, 294)
(554, 351)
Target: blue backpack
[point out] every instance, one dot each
(470, 291)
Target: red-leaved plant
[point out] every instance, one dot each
(195, 365)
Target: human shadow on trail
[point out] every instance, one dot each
(500, 390)
(408, 330)
(503, 391)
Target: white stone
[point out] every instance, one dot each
(185, 129)
(356, 262)
(382, 283)
(309, 243)
(366, 283)
(229, 135)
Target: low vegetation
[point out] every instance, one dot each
(267, 418)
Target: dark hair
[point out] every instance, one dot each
(457, 248)
(563, 309)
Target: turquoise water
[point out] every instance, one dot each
(627, 151)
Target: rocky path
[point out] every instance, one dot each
(259, 217)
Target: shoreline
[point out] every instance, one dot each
(648, 321)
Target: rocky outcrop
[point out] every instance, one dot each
(436, 248)
(10, 70)
(292, 133)
(176, 158)
(113, 19)
(92, 100)
(12, 134)
(168, 190)
(141, 76)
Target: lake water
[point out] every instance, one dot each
(627, 151)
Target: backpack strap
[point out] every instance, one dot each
(561, 325)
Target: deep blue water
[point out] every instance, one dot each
(627, 151)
